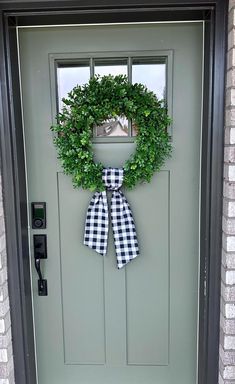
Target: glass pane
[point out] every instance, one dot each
(151, 73)
(110, 67)
(117, 126)
(70, 76)
(113, 127)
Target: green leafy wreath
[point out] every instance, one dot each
(104, 98)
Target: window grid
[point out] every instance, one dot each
(93, 62)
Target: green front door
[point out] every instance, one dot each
(98, 324)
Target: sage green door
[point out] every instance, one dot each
(98, 324)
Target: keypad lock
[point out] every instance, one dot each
(39, 215)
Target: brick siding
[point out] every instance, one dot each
(6, 354)
(227, 318)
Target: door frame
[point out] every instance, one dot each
(14, 13)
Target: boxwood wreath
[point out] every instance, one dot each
(104, 98)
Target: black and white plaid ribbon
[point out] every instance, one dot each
(97, 220)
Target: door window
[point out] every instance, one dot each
(150, 71)
(70, 75)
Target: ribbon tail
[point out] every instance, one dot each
(97, 223)
(124, 232)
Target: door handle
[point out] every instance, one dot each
(40, 252)
(42, 283)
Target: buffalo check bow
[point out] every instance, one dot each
(97, 220)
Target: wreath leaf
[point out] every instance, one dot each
(102, 98)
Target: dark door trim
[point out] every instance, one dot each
(17, 12)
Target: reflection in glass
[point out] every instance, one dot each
(113, 127)
(70, 76)
(117, 126)
(134, 129)
(152, 75)
(108, 67)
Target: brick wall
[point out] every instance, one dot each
(6, 355)
(227, 323)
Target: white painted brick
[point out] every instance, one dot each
(12, 378)
(4, 289)
(228, 292)
(6, 354)
(231, 4)
(3, 355)
(2, 326)
(229, 225)
(229, 154)
(7, 368)
(230, 120)
(2, 243)
(227, 325)
(230, 79)
(229, 372)
(3, 275)
(2, 225)
(1, 206)
(225, 173)
(230, 311)
(228, 260)
(221, 381)
(5, 323)
(227, 357)
(230, 59)
(225, 381)
(5, 340)
(221, 367)
(227, 320)
(229, 172)
(227, 276)
(229, 190)
(230, 96)
(3, 259)
(229, 208)
(229, 342)
(4, 381)
(229, 135)
(230, 277)
(231, 39)
(229, 243)
(231, 20)
(4, 307)
(232, 132)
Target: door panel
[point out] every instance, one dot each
(83, 283)
(98, 324)
(147, 290)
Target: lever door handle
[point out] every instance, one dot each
(38, 268)
(40, 252)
